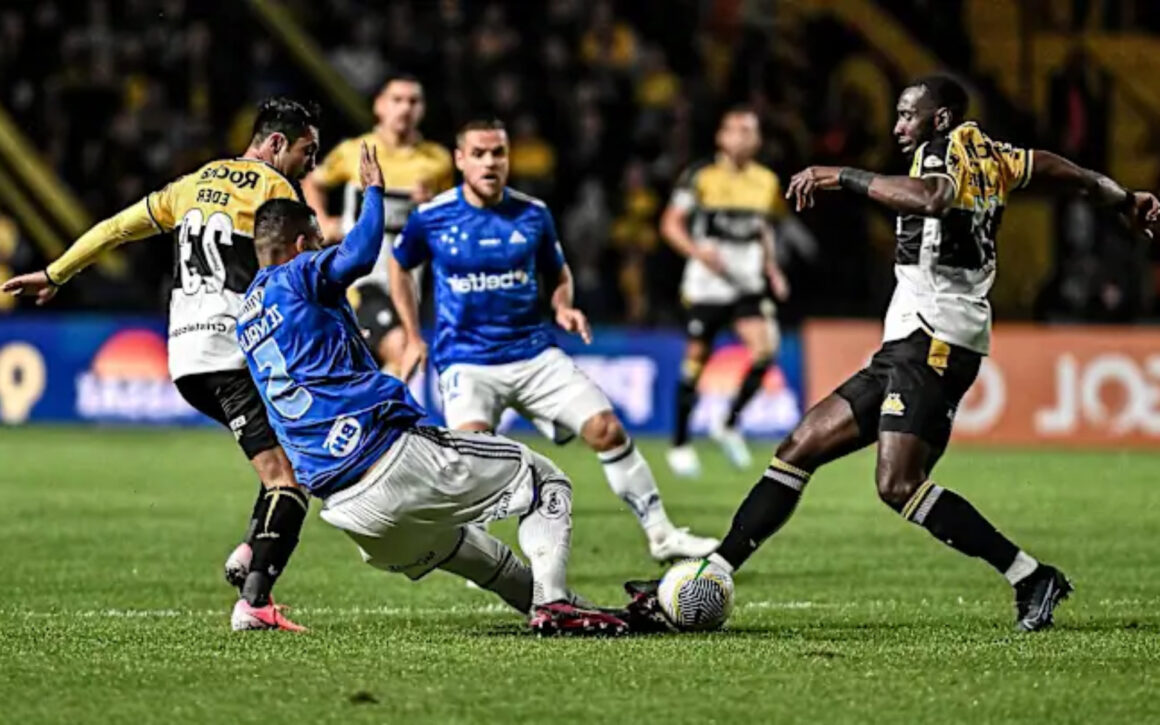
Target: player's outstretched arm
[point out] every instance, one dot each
(356, 256)
(133, 223)
(926, 196)
(1053, 172)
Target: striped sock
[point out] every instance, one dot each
(952, 519)
(767, 507)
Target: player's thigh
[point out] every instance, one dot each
(390, 349)
(924, 386)
(414, 551)
(230, 398)
(554, 389)
(756, 326)
(474, 396)
(828, 431)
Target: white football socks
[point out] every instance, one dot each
(631, 479)
(1020, 568)
(487, 561)
(546, 539)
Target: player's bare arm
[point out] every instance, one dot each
(777, 279)
(314, 191)
(1053, 172)
(406, 301)
(131, 224)
(568, 317)
(675, 231)
(927, 196)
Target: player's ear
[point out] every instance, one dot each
(942, 119)
(301, 244)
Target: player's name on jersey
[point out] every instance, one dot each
(240, 179)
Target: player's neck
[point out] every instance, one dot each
(476, 200)
(394, 139)
(736, 164)
(255, 153)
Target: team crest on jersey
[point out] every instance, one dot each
(932, 162)
(893, 405)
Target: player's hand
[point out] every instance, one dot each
(32, 284)
(708, 255)
(777, 282)
(575, 322)
(369, 172)
(814, 178)
(413, 359)
(1146, 211)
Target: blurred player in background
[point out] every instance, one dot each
(412, 497)
(720, 219)
(210, 214)
(415, 170)
(937, 331)
(487, 246)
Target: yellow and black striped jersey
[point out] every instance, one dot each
(404, 168)
(211, 215)
(984, 172)
(945, 266)
(732, 208)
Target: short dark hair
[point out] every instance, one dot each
(401, 77)
(740, 109)
(278, 222)
(946, 93)
(483, 123)
(284, 115)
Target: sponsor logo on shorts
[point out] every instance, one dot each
(482, 282)
(343, 437)
(893, 405)
(555, 503)
(236, 425)
(423, 560)
(220, 328)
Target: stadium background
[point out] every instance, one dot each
(606, 102)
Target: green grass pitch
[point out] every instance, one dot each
(112, 607)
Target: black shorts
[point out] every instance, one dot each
(230, 398)
(704, 321)
(912, 385)
(375, 313)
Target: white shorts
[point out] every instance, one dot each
(408, 511)
(548, 389)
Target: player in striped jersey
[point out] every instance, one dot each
(209, 214)
(414, 170)
(937, 331)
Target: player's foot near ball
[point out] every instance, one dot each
(248, 617)
(683, 461)
(1037, 596)
(732, 445)
(562, 618)
(238, 565)
(679, 544)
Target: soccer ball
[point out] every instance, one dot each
(696, 595)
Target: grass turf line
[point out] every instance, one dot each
(112, 607)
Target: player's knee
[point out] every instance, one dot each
(895, 485)
(274, 469)
(802, 447)
(604, 431)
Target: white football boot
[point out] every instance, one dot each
(683, 461)
(732, 445)
(672, 543)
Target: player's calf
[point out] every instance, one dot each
(280, 522)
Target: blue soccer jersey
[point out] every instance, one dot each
(334, 412)
(485, 265)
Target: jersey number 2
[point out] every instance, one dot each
(201, 263)
(287, 398)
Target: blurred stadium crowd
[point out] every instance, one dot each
(605, 101)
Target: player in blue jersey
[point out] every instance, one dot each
(488, 247)
(412, 497)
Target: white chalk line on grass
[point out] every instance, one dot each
(499, 609)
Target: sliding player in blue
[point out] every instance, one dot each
(412, 497)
